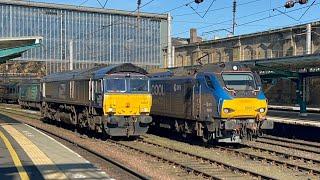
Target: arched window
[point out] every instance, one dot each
(248, 53)
(262, 51)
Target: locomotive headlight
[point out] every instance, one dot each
(227, 110)
(111, 109)
(144, 110)
(235, 68)
(262, 110)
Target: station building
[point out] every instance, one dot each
(287, 41)
(85, 35)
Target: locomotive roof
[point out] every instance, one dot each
(94, 73)
(217, 68)
(192, 70)
(30, 81)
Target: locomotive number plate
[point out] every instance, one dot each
(249, 107)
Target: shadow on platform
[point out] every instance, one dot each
(4, 119)
(74, 171)
(296, 132)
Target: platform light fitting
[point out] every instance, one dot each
(303, 1)
(290, 3)
(198, 1)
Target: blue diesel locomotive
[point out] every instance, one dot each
(218, 102)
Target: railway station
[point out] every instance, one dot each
(206, 89)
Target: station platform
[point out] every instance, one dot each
(294, 118)
(293, 108)
(26, 153)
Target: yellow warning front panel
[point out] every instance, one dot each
(243, 108)
(127, 104)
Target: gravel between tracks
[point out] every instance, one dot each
(278, 172)
(292, 145)
(190, 162)
(284, 150)
(296, 141)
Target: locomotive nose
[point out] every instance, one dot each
(243, 108)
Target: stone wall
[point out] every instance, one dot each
(288, 41)
(33, 67)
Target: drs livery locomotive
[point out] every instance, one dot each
(115, 100)
(222, 103)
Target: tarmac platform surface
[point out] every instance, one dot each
(27, 153)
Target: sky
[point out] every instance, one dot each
(213, 18)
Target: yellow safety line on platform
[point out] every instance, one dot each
(15, 158)
(47, 168)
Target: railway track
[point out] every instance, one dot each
(288, 151)
(274, 157)
(303, 156)
(307, 146)
(235, 158)
(286, 156)
(295, 154)
(193, 163)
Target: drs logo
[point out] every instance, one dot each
(157, 90)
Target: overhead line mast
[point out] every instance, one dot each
(138, 8)
(234, 10)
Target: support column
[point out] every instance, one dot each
(301, 95)
(308, 39)
(71, 55)
(173, 56)
(169, 49)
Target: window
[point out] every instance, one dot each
(115, 85)
(239, 81)
(209, 82)
(139, 85)
(97, 86)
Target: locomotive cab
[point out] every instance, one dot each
(235, 97)
(247, 99)
(127, 99)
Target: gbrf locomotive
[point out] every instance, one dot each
(115, 99)
(222, 102)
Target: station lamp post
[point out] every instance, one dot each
(291, 3)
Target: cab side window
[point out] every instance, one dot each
(209, 82)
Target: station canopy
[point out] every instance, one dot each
(13, 47)
(290, 66)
